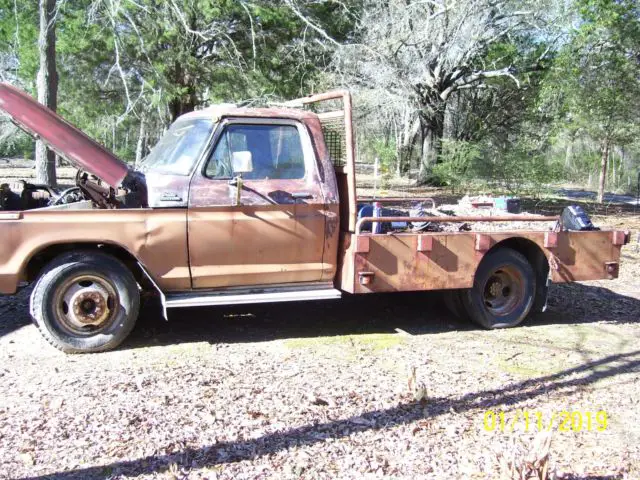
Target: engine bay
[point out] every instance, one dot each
(23, 195)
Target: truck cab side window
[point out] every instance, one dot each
(219, 164)
(276, 152)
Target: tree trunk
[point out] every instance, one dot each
(613, 178)
(603, 170)
(452, 116)
(187, 100)
(47, 83)
(141, 141)
(568, 154)
(113, 136)
(404, 148)
(432, 131)
(398, 140)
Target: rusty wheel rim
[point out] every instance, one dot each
(503, 291)
(86, 304)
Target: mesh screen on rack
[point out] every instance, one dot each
(334, 137)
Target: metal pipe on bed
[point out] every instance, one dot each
(449, 219)
(399, 200)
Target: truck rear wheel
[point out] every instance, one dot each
(503, 292)
(85, 302)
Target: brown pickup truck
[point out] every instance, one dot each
(239, 205)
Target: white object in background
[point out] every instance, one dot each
(376, 167)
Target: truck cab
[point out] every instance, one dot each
(241, 205)
(266, 223)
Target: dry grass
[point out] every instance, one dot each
(522, 462)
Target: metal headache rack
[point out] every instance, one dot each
(335, 113)
(333, 127)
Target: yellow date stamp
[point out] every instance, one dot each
(533, 420)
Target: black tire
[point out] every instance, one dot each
(503, 292)
(78, 288)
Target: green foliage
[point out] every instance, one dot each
(594, 86)
(121, 62)
(19, 34)
(522, 170)
(386, 153)
(456, 163)
(596, 77)
(14, 143)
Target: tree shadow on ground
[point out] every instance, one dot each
(579, 303)
(554, 206)
(404, 413)
(419, 313)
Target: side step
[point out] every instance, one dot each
(271, 295)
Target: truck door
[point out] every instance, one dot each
(276, 234)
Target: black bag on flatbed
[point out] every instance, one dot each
(575, 218)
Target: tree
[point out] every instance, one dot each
(47, 85)
(421, 53)
(597, 76)
(151, 61)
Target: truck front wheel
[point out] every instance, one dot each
(503, 292)
(85, 302)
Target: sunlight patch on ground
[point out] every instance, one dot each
(550, 349)
(373, 342)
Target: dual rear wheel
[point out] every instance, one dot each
(503, 291)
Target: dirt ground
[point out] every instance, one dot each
(320, 390)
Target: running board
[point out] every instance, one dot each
(200, 299)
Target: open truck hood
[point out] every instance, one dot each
(62, 137)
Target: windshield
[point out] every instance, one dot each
(179, 148)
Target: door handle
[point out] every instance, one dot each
(301, 195)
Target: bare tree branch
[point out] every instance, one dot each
(309, 23)
(253, 33)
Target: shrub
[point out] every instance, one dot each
(456, 162)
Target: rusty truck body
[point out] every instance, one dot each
(240, 205)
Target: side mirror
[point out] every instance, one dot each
(241, 162)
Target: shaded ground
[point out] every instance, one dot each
(319, 390)
(573, 193)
